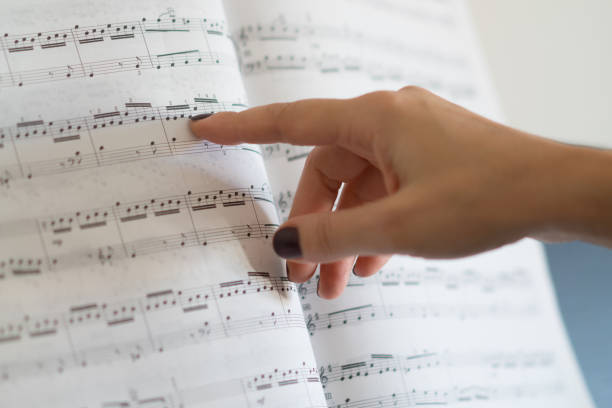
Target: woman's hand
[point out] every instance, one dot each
(421, 176)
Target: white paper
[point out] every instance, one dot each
(135, 262)
(481, 331)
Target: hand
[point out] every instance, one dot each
(420, 176)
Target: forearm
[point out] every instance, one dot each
(576, 193)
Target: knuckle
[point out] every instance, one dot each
(415, 97)
(282, 114)
(312, 158)
(314, 163)
(387, 103)
(413, 90)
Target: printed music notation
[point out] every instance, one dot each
(130, 46)
(255, 386)
(15, 43)
(397, 277)
(81, 143)
(374, 69)
(436, 290)
(289, 152)
(376, 364)
(279, 30)
(393, 364)
(148, 325)
(465, 395)
(284, 202)
(413, 310)
(126, 230)
(333, 50)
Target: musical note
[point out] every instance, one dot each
(190, 301)
(413, 310)
(115, 247)
(259, 386)
(507, 393)
(63, 132)
(113, 258)
(85, 37)
(449, 280)
(346, 51)
(6, 176)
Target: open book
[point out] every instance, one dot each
(136, 267)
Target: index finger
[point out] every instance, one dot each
(306, 122)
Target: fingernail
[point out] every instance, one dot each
(201, 116)
(319, 281)
(354, 271)
(286, 243)
(287, 268)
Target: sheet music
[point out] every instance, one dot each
(135, 262)
(291, 50)
(483, 330)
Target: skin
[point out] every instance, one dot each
(423, 177)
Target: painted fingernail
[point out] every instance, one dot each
(319, 281)
(201, 116)
(287, 268)
(286, 243)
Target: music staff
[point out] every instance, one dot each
(80, 143)
(394, 364)
(75, 51)
(14, 43)
(390, 277)
(201, 306)
(133, 112)
(374, 69)
(331, 50)
(318, 36)
(109, 229)
(111, 66)
(414, 310)
(289, 152)
(141, 348)
(377, 364)
(255, 385)
(469, 394)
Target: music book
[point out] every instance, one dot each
(136, 267)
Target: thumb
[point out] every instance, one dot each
(330, 236)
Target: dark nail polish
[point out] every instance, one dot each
(201, 116)
(286, 243)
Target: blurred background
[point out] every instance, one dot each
(551, 64)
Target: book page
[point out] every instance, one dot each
(480, 331)
(290, 50)
(135, 262)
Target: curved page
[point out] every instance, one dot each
(135, 261)
(483, 330)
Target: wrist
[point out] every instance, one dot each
(576, 194)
